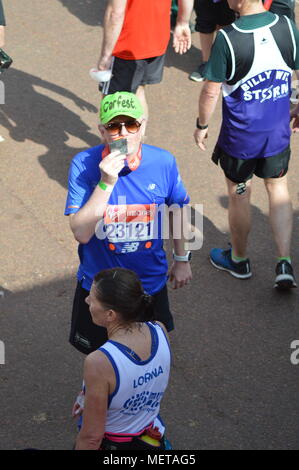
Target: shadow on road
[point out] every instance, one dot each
(261, 247)
(42, 373)
(29, 114)
(232, 384)
(90, 12)
(187, 62)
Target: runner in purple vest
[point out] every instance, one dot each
(253, 60)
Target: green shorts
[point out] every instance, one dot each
(239, 171)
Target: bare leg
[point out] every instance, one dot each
(239, 217)
(140, 93)
(280, 213)
(2, 36)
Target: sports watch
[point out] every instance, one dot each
(199, 126)
(186, 257)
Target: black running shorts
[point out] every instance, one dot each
(239, 171)
(209, 15)
(87, 337)
(284, 7)
(128, 75)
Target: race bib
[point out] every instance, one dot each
(129, 228)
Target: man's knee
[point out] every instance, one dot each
(276, 184)
(2, 36)
(140, 91)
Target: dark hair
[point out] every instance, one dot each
(121, 290)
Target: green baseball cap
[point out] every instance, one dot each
(121, 103)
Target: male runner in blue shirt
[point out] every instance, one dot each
(114, 203)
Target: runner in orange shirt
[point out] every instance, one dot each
(136, 35)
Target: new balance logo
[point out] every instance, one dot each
(130, 247)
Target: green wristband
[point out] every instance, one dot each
(105, 187)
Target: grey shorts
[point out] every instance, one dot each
(128, 75)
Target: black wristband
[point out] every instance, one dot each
(199, 126)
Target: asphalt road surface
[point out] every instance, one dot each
(233, 385)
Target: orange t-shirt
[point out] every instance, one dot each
(146, 30)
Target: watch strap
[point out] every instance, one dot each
(199, 126)
(186, 257)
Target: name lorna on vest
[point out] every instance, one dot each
(143, 379)
(279, 86)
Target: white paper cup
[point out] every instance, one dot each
(100, 75)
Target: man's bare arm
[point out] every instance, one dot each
(207, 104)
(113, 23)
(180, 272)
(295, 111)
(83, 223)
(182, 33)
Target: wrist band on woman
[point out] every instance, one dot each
(106, 187)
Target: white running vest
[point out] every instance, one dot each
(140, 385)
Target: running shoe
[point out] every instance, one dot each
(285, 278)
(198, 74)
(222, 259)
(192, 27)
(167, 444)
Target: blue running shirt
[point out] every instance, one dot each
(129, 235)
